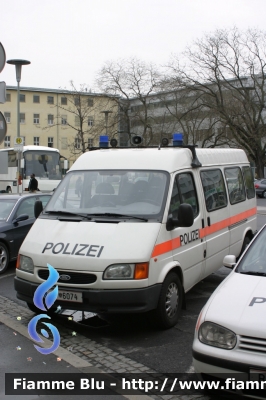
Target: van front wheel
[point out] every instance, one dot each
(170, 302)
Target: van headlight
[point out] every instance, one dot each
(26, 264)
(217, 336)
(127, 271)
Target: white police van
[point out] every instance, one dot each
(131, 230)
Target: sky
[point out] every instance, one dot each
(70, 40)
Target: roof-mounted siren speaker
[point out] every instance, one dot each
(177, 139)
(136, 140)
(113, 142)
(164, 142)
(103, 142)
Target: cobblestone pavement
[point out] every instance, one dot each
(100, 357)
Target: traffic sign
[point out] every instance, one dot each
(3, 128)
(18, 140)
(18, 147)
(2, 57)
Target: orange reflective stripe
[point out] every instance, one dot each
(165, 247)
(172, 244)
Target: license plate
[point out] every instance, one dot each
(75, 297)
(257, 375)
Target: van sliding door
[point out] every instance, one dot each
(216, 221)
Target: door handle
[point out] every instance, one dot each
(209, 221)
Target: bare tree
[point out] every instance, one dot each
(82, 112)
(227, 71)
(134, 82)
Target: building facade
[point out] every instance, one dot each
(70, 121)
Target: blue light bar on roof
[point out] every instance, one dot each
(177, 139)
(103, 142)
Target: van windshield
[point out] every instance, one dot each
(124, 192)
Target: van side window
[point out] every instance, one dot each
(249, 182)
(184, 191)
(214, 189)
(235, 185)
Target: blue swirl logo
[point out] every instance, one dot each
(44, 299)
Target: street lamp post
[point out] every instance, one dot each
(18, 64)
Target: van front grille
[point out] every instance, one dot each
(70, 277)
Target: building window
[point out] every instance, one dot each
(90, 142)
(90, 102)
(8, 97)
(63, 119)
(90, 121)
(50, 99)
(77, 143)
(36, 141)
(36, 118)
(50, 142)
(22, 98)
(36, 98)
(77, 120)
(22, 118)
(8, 117)
(50, 119)
(64, 143)
(63, 101)
(77, 101)
(7, 141)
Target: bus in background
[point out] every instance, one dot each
(44, 162)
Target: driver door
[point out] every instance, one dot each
(190, 248)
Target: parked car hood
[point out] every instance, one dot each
(239, 304)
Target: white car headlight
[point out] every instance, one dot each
(26, 264)
(217, 336)
(119, 271)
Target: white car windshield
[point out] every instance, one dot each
(102, 192)
(254, 261)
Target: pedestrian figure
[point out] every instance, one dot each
(33, 184)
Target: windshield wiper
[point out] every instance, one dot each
(256, 273)
(67, 213)
(118, 215)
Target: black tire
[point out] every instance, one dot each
(4, 257)
(264, 194)
(245, 244)
(170, 303)
(36, 310)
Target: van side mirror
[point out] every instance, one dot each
(38, 208)
(185, 218)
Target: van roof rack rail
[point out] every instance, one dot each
(194, 164)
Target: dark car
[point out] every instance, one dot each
(16, 219)
(260, 186)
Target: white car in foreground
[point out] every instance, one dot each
(230, 335)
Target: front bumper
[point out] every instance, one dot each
(99, 301)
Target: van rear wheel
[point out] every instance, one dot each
(170, 302)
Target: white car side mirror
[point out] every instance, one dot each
(229, 261)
